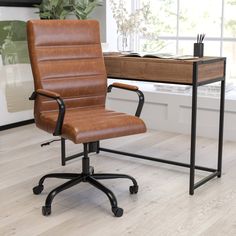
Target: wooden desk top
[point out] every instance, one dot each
(165, 70)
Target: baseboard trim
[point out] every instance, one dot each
(17, 124)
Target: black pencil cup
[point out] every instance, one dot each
(198, 49)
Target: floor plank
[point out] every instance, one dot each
(162, 206)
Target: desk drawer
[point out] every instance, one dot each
(133, 69)
(130, 69)
(210, 71)
(113, 67)
(166, 72)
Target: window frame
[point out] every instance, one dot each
(177, 38)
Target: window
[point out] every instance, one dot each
(174, 24)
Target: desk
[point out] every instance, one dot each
(195, 73)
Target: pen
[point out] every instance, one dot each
(200, 38)
(203, 36)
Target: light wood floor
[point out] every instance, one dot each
(162, 206)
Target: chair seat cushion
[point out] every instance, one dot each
(93, 124)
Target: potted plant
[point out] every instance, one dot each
(82, 8)
(60, 9)
(53, 9)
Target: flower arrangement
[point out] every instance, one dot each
(128, 23)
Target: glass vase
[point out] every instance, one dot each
(124, 43)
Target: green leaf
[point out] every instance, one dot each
(60, 9)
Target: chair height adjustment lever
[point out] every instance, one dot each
(48, 143)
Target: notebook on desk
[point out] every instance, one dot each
(160, 55)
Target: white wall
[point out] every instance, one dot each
(17, 13)
(111, 30)
(100, 14)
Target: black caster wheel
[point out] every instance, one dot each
(133, 189)
(38, 189)
(91, 170)
(118, 212)
(46, 210)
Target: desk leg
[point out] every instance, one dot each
(63, 152)
(193, 139)
(221, 128)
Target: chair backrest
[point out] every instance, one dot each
(66, 58)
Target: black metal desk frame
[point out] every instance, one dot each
(192, 166)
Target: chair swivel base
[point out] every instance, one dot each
(87, 176)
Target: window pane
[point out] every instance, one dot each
(210, 48)
(161, 10)
(202, 16)
(166, 46)
(230, 18)
(229, 51)
(185, 47)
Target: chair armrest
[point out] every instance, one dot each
(48, 93)
(123, 86)
(61, 105)
(45, 93)
(130, 88)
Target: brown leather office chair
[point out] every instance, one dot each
(70, 91)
